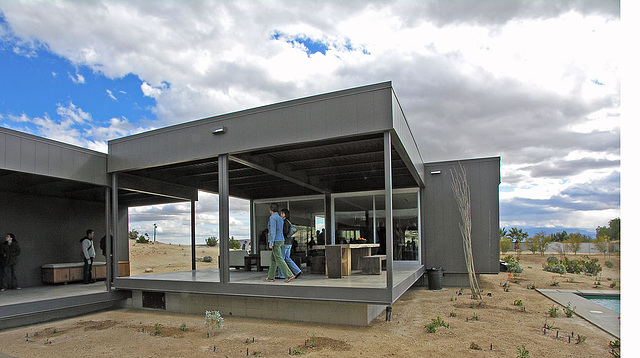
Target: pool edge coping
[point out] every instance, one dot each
(608, 320)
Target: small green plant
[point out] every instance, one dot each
(435, 323)
(157, 328)
(555, 283)
(614, 348)
(592, 267)
(506, 287)
(143, 239)
(295, 351)
(183, 327)
(452, 314)
(568, 310)
(574, 266)
(475, 347)
(608, 263)
(552, 260)
(475, 317)
(613, 284)
(581, 339)
(553, 311)
(514, 267)
(517, 303)
(211, 241)
(207, 259)
(523, 352)
(212, 320)
(556, 268)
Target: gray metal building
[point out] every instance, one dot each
(347, 157)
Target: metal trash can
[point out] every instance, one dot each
(435, 278)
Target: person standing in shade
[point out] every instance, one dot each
(89, 253)
(288, 232)
(275, 242)
(8, 252)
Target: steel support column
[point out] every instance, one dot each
(223, 212)
(388, 207)
(193, 234)
(107, 222)
(114, 224)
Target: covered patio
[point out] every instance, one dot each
(323, 150)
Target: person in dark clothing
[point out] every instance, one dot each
(9, 252)
(89, 253)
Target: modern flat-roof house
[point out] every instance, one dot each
(345, 159)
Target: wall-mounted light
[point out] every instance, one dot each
(218, 130)
(435, 172)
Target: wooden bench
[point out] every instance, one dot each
(70, 272)
(372, 265)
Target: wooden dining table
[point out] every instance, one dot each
(347, 254)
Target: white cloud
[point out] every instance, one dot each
(529, 81)
(77, 78)
(110, 94)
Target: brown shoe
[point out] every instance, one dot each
(290, 278)
(268, 280)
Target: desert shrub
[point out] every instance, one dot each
(557, 268)
(514, 267)
(552, 260)
(142, 239)
(509, 258)
(574, 266)
(211, 241)
(608, 263)
(207, 259)
(234, 244)
(592, 267)
(435, 323)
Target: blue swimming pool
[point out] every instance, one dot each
(610, 302)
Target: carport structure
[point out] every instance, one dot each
(350, 141)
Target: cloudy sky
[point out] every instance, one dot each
(534, 82)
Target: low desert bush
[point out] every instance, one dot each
(552, 260)
(556, 268)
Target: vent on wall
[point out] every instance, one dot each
(153, 300)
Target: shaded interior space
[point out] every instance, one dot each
(331, 166)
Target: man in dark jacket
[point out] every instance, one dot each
(9, 252)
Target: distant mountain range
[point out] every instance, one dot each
(534, 230)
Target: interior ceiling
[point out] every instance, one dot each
(39, 185)
(333, 166)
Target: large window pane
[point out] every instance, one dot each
(353, 218)
(406, 240)
(308, 217)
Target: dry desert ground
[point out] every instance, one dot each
(493, 327)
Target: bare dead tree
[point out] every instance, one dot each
(461, 191)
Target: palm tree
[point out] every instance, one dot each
(518, 236)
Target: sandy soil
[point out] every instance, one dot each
(497, 327)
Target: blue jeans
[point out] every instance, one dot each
(286, 255)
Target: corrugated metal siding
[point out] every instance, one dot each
(25, 153)
(443, 240)
(335, 115)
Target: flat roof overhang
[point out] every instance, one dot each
(44, 167)
(329, 143)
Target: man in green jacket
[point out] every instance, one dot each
(9, 252)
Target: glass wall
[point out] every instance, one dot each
(353, 219)
(363, 216)
(306, 214)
